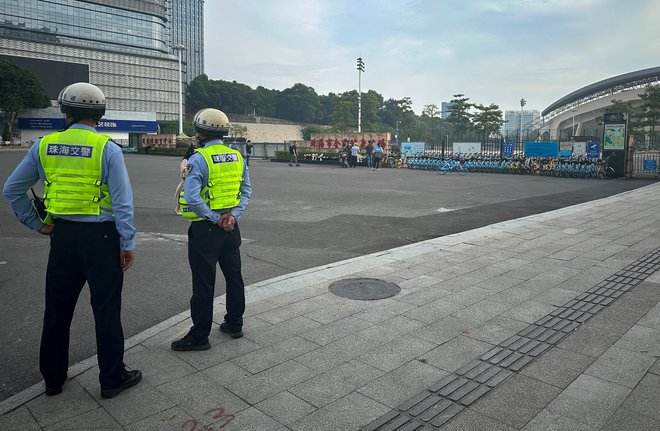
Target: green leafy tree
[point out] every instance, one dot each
(459, 115)
(298, 103)
(342, 118)
(488, 120)
(650, 113)
(20, 89)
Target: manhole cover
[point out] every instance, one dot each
(364, 288)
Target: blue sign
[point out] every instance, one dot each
(507, 149)
(541, 149)
(593, 149)
(650, 165)
(409, 149)
(132, 126)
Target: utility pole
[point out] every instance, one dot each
(522, 105)
(360, 68)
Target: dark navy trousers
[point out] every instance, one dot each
(208, 246)
(79, 253)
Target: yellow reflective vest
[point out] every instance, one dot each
(72, 162)
(222, 190)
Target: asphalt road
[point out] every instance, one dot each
(300, 217)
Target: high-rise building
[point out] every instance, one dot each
(186, 21)
(122, 46)
(513, 119)
(444, 109)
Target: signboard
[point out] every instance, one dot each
(615, 137)
(593, 149)
(650, 166)
(541, 149)
(565, 149)
(409, 149)
(507, 149)
(103, 125)
(159, 141)
(466, 147)
(334, 141)
(579, 149)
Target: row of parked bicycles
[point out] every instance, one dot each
(572, 167)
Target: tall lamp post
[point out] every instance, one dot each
(179, 48)
(360, 68)
(522, 105)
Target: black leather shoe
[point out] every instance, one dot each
(189, 343)
(54, 390)
(131, 378)
(233, 332)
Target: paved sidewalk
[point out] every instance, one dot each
(546, 322)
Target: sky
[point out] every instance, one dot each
(492, 51)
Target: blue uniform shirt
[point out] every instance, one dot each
(113, 173)
(198, 178)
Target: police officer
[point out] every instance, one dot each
(89, 218)
(215, 194)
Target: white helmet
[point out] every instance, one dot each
(211, 121)
(82, 98)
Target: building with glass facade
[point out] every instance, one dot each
(124, 45)
(514, 119)
(186, 22)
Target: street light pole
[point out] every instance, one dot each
(522, 105)
(178, 48)
(360, 68)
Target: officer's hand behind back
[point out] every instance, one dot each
(126, 259)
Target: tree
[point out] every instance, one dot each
(430, 111)
(298, 103)
(650, 112)
(238, 130)
(488, 120)
(459, 114)
(20, 89)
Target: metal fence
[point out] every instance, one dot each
(646, 163)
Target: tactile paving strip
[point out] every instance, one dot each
(457, 391)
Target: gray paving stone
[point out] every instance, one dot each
(445, 329)
(488, 374)
(435, 310)
(556, 296)
(392, 328)
(496, 330)
(655, 369)
(474, 395)
(481, 311)
(388, 417)
(73, 401)
(453, 386)
(275, 354)
(590, 340)
(641, 339)
(385, 309)
(159, 366)
(197, 394)
(260, 386)
(97, 419)
(397, 352)
(517, 400)
(395, 387)
(652, 318)
(589, 400)
(338, 352)
(456, 352)
(645, 398)
(282, 331)
(226, 373)
(220, 352)
(173, 419)
(463, 391)
(472, 420)
(443, 382)
(499, 283)
(19, 419)
(421, 296)
(347, 413)
(249, 419)
(334, 312)
(285, 407)
(549, 421)
(620, 366)
(335, 383)
(417, 405)
(529, 311)
(624, 419)
(499, 378)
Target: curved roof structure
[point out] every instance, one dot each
(607, 86)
